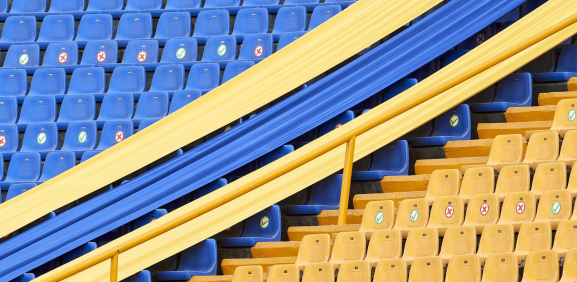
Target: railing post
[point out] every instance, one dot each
(346, 185)
(114, 268)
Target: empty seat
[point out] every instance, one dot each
(282, 273)
(250, 21)
(168, 78)
(220, 49)
(172, 25)
(313, 249)
(482, 210)
(134, 26)
(518, 208)
(568, 153)
(541, 266)
(105, 5)
(64, 54)
(76, 107)
(57, 163)
(181, 98)
(13, 82)
(88, 154)
(221, 3)
(325, 195)
(570, 266)
(533, 236)
(141, 5)
(114, 132)
(24, 167)
(211, 23)
(66, 6)
(391, 270)
(447, 211)
(151, 105)
(256, 47)
(198, 260)
(100, 52)
(148, 218)
(248, 273)
(208, 188)
(378, 215)
(57, 28)
(80, 137)
(290, 19)
(288, 38)
(37, 109)
(506, 150)
(515, 90)
(543, 147)
(264, 226)
(275, 155)
(19, 29)
(390, 160)
(421, 242)
(94, 27)
(458, 240)
(180, 50)
(464, 268)
(9, 140)
(565, 237)
(26, 55)
(427, 269)
(203, 76)
(182, 4)
(116, 106)
(514, 178)
(479, 38)
(443, 182)
(141, 52)
(564, 119)
(87, 81)
(549, 176)
(18, 189)
(385, 244)
(354, 271)
(322, 14)
(319, 272)
(28, 6)
(40, 137)
(348, 246)
(399, 87)
(478, 180)
(235, 68)
(48, 81)
(300, 2)
(501, 267)
(496, 239)
(127, 79)
(565, 66)
(454, 124)
(554, 206)
(8, 110)
(412, 213)
(78, 252)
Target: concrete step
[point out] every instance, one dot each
(552, 98)
(275, 249)
(331, 217)
(361, 200)
(229, 265)
(296, 233)
(405, 183)
(521, 114)
(428, 166)
(468, 148)
(491, 130)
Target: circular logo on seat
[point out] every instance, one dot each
(63, 57)
(571, 115)
(82, 136)
(379, 217)
(221, 50)
(258, 51)
(520, 207)
(119, 136)
(414, 215)
(24, 58)
(556, 208)
(41, 138)
(141, 57)
(264, 222)
(454, 121)
(101, 56)
(449, 211)
(484, 209)
(180, 53)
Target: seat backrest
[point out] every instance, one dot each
(8, 109)
(173, 25)
(477, 180)
(518, 207)
(256, 47)
(314, 248)
(204, 190)
(95, 27)
(182, 4)
(565, 113)
(421, 242)
(378, 215)
(554, 206)
(66, 6)
(275, 155)
(179, 50)
(565, 237)
(514, 178)
(61, 54)
(37, 109)
(265, 224)
(141, 52)
(28, 6)
(568, 152)
(248, 273)
(455, 122)
(235, 68)
(349, 246)
(284, 273)
(80, 136)
(385, 244)
(78, 252)
(134, 26)
(105, 5)
(48, 81)
(203, 76)
(98, 52)
(399, 87)
(146, 122)
(464, 268)
(533, 236)
(152, 105)
(24, 167)
(87, 81)
(412, 213)
(212, 23)
(148, 218)
(300, 2)
(140, 5)
(483, 209)
(515, 88)
(116, 106)
(220, 48)
(40, 137)
(17, 189)
(114, 132)
(498, 238)
(19, 29)
(543, 147)
(458, 240)
(506, 149)
(200, 257)
(13, 82)
(290, 19)
(501, 266)
(251, 21)
(319, 272)
(260, 2)
(9, 139)
(480, 37)
(336, 122)
(567, 59)
(322, 14)
(393, 158)
(57, 27)
(288, 38)
(77, 108)
(182, 98)
(221, 3)
(391, 270)
(354, 271)
(542, 266)
(327, 191)
(127, 79)
(443, 182)
(549, 176)
(570, 265)
(447, 211)
(27, 55)
(168, 78)
(427, 269)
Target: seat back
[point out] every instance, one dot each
(284, 273)
(221, 3)
(378, 215)
(168, 78)
(443, 182)
(477, 180)
(9, 140)
(543, 147)
(502, 266)
(114, 132)
(141, 52)
(8, 109)
(427, 269)
(66, 6)
(288, 38)
(506, 150)
(87, 81)
(256, 47)
(322, 14)
(28, 6)
(24, 167)
(455, 122)
(260, 2)
(447, 211)
(80, 136)
(220, 48)
(391, 270)
(565, 113)
(182, 98)
(152, 105)
(20, 28)
(203, 76)
(385, 244)
(354, 271)
(549, 176)
(140, 5)
(570, 266)
(533, 236)
(17, 189)
(105, 5)
(27, 55)
(148, 218)
(554, 206)
(95, 27)
(265, 224)
(300, 2)
(464, 268)
(565, 237)
(61, 54)
(515, 88)
(57, 28)
(336, 122)
(327, 191)
(458, 240)
(40, 137)
(542, 266)
(182, 4)
(212, 23)
(235, 68)
(568, 152)
(13, 82)
(496, 239)
(518, 207)
(349, 246)
(319, 272)
(514, 178)
(173, 24)
(393, 158)
(204, 190)
(36, 109)
(412, 213)
(421, 242)
(98, 52)
(290, 19)
(248, 273)
(78, 252)
(483, 209)
(399, 87)
(179, 50)
(251, 21)
(77, 108)
(48, 81)
(314, 249)
(134, 26)
(127, 79)
(567, 59)
(117, 106)
(275, 155)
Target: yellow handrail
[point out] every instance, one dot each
(346, 185)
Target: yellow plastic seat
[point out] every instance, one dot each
(549, 176)
(477, 180)
(428, 269)
(482, 210)
(464, 268)
(443, 182)
(543, 147)
(506, 150)
(412, 213)
(501, 267)
(385, 244)
(565, 237)
(284, 273)
(496, 239)
(422, 242)
(555, 206)
(572, 185)
(570, 267)
(248, 273)
(391, 270)
(568, 153)
(313, 249)
(447, 211)
(533, 236)
(563, 120)
(514, 178)
(378, 215)
(541, 266)
(319, 272)
(517, 209)
(354, 271)
(348, 246)
(459, 240)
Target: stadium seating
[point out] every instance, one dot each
(325, 195)
(180, 50)
(67, 6)
(466, 267)
(256, 47)
(94, 27)
(127, 79)
(458, 240)
(482, 210)
(148, 218)
(288, 38)
(533, 236)
(211, 23)
(541, 266)
(31, 6)
(24, 167)
(496, 239)
(8, 110)
(87, 81)
(503, 266)
(447, 211)
(514, 178)
(348, 246)
(322, 14)
(37, 109)
(113, 132)
(565, 67)
(479, 180)
(479, 38)
(412, 213)
(17, 189)
(48, 81)
(204, 77)
(209, 188)
(313, 249)
(391, 270)
(427, 269)
(100, 53)
(421, 242)
(235, 68)
(172, 25)
(56, 163)
(549, 176)
(40, 137)
(76, 108)
(133, 26)
(151, 105)
(9, 140)
(56, 28)
(181, 98)
(392, 159)
(104, 5)
(567, 153)
(543, 147)
(78, 252)
(81, 136)
(18, 29)
(264, 226)
(518, 208)
(506, 150)
(354, 271)
(23, 56)
(168, 78)
(564, 242)
(220, 49)
(247, 273)
(289, 19)
(515, 90)
(250, 21)
(443, 182)
(570, 263)
(142, 52)
(61, 54)
(116, 106)
(554, 206)
(454, 124)
(384, 244)
(377, 216)
(14, 82)
(564, 120)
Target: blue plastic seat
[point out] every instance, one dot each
(479, 37)
(399, 87)
(300, 2)
(390, 160)
(87, 81)
(28, 6)
(26, 277)
(250, 21)
(203, 76)
(18, 189)
(24, 167)
(256, 3)
(9, 140)
(182, 98)
(88, 154)
(56, 28)
(182, 4)
(322, 14)
(48, 81)
(142, 5)
(40, 137)
(211, 23)
(141, 52)
(172, 25)
(19, 29)
(151, 105)
(76, 107)
(94, 27)
(14, 83)
(146, 122)
(149, 217)
(256, 47)
(180, 51)
(78, 252)
(235, 68)
(116, 106)
(221, 49)
(454, 124)
(288, 38)
(142, 276)
(26, 55)
(336, 122)
(453, 56)
(208, 188)
(66, 6)
(8, 110)
(515, 90)
(64, 54)
(276, 154)
(221, 3)
(2, 168)
(566, 67)
(198, 260)
(127, 79)
(37, 109)
(264, 226)
(168, 78)
(100, 52)
(57, 163)
(105, 5)
(325, 195)
(114, 132)
(289, 19)
(133, 26)
(81, 136)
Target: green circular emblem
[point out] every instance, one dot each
(264, 222)
(454, 121)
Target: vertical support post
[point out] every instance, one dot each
(346, 185)
(114, 268)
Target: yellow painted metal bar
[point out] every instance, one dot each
(346, 185)
(114, 268)
(344, 35)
